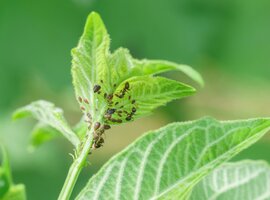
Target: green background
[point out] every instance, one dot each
(228, 42)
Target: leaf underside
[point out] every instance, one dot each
(249, 180)
(169, 162)
(49, 117)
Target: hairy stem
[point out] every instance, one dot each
(76, 167)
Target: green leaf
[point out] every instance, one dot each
(47, 114)
(242, 180)
(145, 94)
(5, 174)
(43, 133)
(89, 63)
(169, 162)
(98, 74)
(9, 191)
(16, 192)
(147, 67)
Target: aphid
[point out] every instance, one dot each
(116, 103)
(86, 101)
(119, 95)
(96, 126)
(108, 116)
(101, 131)
(111, 111)
(128, 118)
(129, 97)
(114, 85)
(119, 111)
(122, 107)
(89, 115)
(96, 136)
(99, 92)
(119, 114)
(119, 121)
(101, 81)
(96, 88)
(126, 86)
(105, 95)
(80, 99)
(116, 120)
(134, 110)
(82, 108)
(106, 126)
(109, 97)
(133, 101)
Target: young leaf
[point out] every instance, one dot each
(89, 64)
(241, 180)
(144, 94)
(46, 113)
(5, 174)
(169, 162)
(43, 133)
(98, 75)
(9, 191)
(147, 67)
(16, 192)
(123, 66)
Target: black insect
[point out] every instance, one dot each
(111, 111)
(126, 86)
(134, 110)
(96, 88)
(96, 126)
(106, 126)
(128, 118)
(109, 97)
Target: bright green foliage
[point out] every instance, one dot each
(47, 114)
(9, 191)
(247, 180)
(149, 92)
(16, 192)
(93, 64)
(5, 175)
(43, 133)
(169, 162)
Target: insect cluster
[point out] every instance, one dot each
(117, 111)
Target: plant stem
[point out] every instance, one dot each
(76, 167)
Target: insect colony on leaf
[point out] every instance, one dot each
(115, 112)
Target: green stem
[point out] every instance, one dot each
(76, 167)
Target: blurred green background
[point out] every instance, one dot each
(227, 41)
